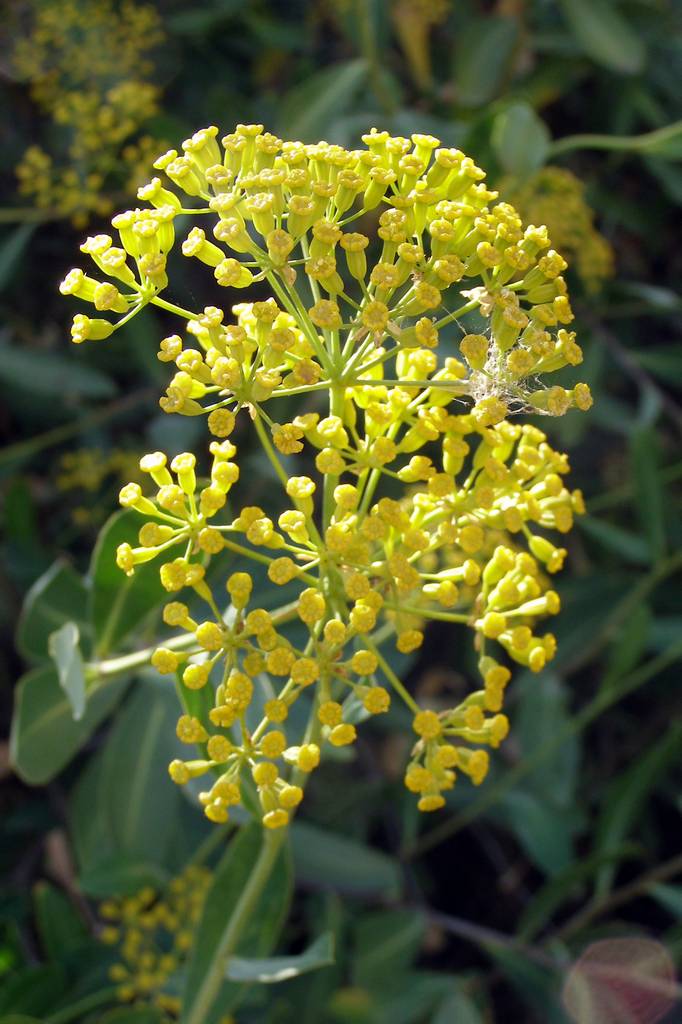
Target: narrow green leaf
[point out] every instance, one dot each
(65, 651)
(627, 796)
(58, 596)
(12, 249)
(669, 897)
(274, 969)
(45, 374)
(629, 546)
(332, 861)
(562, 887)
(118, 602)
(229, 879)
(483, 52)
(60, 928)
(605, 35)
(132, 1015)
(44, 735)
(308, 108)
(520, 139)
(649, 494)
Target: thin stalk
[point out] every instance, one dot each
(172, 308)
(83, 1006)
(215, 976)
(392, 677)
(622, 143)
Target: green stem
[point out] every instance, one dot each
(91, 1002)
(172, 308)
(392, 677)
(117, 666)
(622, 143)
(215, 976)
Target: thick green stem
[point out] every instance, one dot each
(83, 1006)
(215, 976)
(622, 143)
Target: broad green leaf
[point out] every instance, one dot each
(542, 711)
(141, 800)
(19, 1018)
(483, 52)
(545, 832)
(649, 494)
(60, 927)
(49, 373)
(535, 984)
(628, 645)
(625, 798)
(627, 545)
(65, 651)
(605, 35)
(332, 861)
(44, 734)
(121, 875)
(520, 139)
(274, 969)
(32, 990)
(266, 919)
(58, 596)
(385, 942)
(118, 602)
(308, 108)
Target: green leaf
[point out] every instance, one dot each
(604, 34)
(483, 53)
(457, 1009)
(562, 887)
(267, 918)
(132, 1015)
(118, 602)
(274, 969)
(60, 928)
(44, 735)
(664, 362)
(520, 139)
(308, 108)
(141, 800)
(545, 832)
(385, 942)
(58, 596)
(121, 875)
(543, 711)
(649, 494)
(32, 990)
(65, 651)
(45, 374)
(332, 861)
(12, 250)
(627, 545)
(669, 897)
(626, 797)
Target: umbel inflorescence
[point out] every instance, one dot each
(423, 499)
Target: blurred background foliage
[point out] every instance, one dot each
(476, 914)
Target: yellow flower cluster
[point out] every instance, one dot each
(556, 197)
(422, 499)
(154, 933)
(85, 61)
